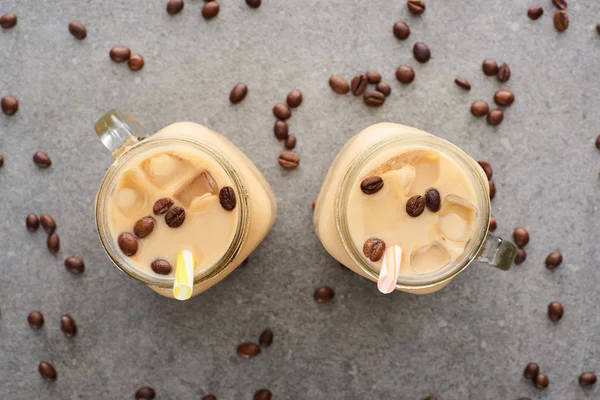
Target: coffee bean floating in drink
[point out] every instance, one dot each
(135, 62)
(145, 393)
(371, 185)
(289, 160)
(35, 319)
(53, 243)
(282, 111)
(358, 85)
(48, 223)
(495, 117)
(433, 201)
(323, 294)
(75, 265)
(535, 12)
(9, 105)
(162, 206)
(587, 379)
(263, 394)
(248, 350)
(416, 6)
(227, 198)
(374, 98)
(421, 52)
(294, 98)
(415, 205)
(553, 260)
(266, 338)
(238, 93)
(161, 267)
(47, 371)
(8, 20)
(479, 108)
(541, 381)
(339, 84)
(405, 74)
(78, 30)
(175, 217)
(373, 249)
(120, 54)
(41, 159)
(490, 67)
(555, 311)
(521, 256)
(174, 6)
(290, 142)
(144, 226)
(384, 88)
(401, 30)
(68, 325)
(521, 236)
(127, 243)
(32, 223)
(463, 83)
(210, 10)
(503, 73)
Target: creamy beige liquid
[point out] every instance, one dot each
(192, 179)
(432, 239)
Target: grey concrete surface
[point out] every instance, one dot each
(469, 341)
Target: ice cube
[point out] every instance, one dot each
(429, 258)
(427, 167)
(204, 202)
(132, 194)
(401, 179)
(198, 186)
(457, 217)
(163, 169)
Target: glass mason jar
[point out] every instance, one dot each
(331, 217)
(125, 137)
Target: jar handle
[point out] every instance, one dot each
(498, 253)
(118, 130)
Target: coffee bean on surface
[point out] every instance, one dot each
(323, 294)
(373, 249)
(487, 168)
(253, 3)
(535, 12)
(416, 6)
(1, 160)
(266, 338)
(162, 205)
(373, 77)
(495, 117)
(32, 223)
(53, 243)
(282, 111)
(9, 105)
(161, 267)
(35, 319)
(401, 30)
(339, 84)
(371, 185)
(289, 160)
(47, 371)
(120, 54)
(405, 74)
(521, 236)
(587, 378)
(74, 265)
(463, 83)
(144, 226)
(68, 325)
(175, 6)
(503, 74)
(531, 370)
(384, 88)
(521, 256)
(553, 260)
(48, 223)
(280, 129)
(210, 9)
(374, 98)
(493, 224)
(294, 98)
(238, 93)
(421, 52)
(263, 394)
(560, 4)
(504, 97)
(41, 159)
(358, 85)
(248, 350)
(127, 243)
(597, 143)
(8, 20)
(78, 30)
(492, 185)
(479, 108)
(555, 311)
(598, 29)
(490, 67)
(145, 393)
(433, 201)
(541, 381)
(290, 142)
(561, 21)
(175, 217)
(431, 398)
(415, 206)
(209, 397)
(227, 198)
(135, 62)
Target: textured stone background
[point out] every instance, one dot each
(469, 341)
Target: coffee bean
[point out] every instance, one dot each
(210, 396)
(120, 54)
(32, 222)
(314, 204)
(401, 30)
(210, 10)
(68, 325)
(127, 243)
(479, 108)
(238, 93)
(373, 77)
(145, 393)
(416, 6)
(47, 371)
(41, 159)
(371, 185)
(415, 206)
(421, 52)
(524, 398)
(289, 160)
(560, 4)
(495, 117)
(280, 129)
(490, 67)
(48, 223)
(555, 311)
(78, 30)
(227, 198)
(35, 319)
(323, 294)
(262, 394)
(561, 21)
(1, 160)
(463, 83)
(176, 216)
(339, 84)
(503, 73)
(161, 267)
(487, 168)
(521, 256)
(431, 398)
(162, 206)
(373, 249)
(521, 236)
(144, 226)
(541, 381)
(504, 97)
(598, 29)
(493, 224)
(253, 3)
(53, 243)
(9, 104)
(74, 265)
(135, 62)
(294, 98)
(384, 88)
(587, 379)
(433, 201)
(535, 12)
(492, 185)
(8, 20)
(598, 142)
(374, 98)
(553, 260)
(290, 142)
(248, 350)
(266, 338)
(174, 6)
(405, 74)
(282, 111)
(531, 370)
(358, 85)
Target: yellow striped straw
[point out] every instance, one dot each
(184, 275)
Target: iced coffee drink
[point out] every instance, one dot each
(406, 209)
